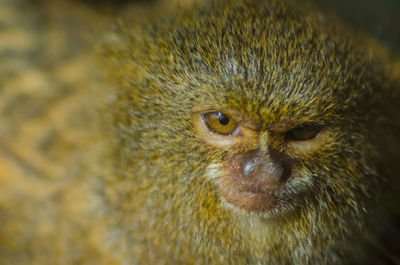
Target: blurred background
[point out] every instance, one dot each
(379, 18)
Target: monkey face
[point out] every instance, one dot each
(256, 178)
(251, 127)
(252, 110)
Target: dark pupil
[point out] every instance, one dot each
(223, 119)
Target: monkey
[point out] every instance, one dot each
(236, 132)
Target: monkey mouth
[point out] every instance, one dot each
(249, 200)
(255, 195)
(254, 181)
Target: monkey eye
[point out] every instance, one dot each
(304, 132)
(220, 123)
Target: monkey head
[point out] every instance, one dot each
(244, 116)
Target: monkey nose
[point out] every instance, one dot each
(256, 166)
(249, 165)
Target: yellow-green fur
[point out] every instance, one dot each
(114, 173)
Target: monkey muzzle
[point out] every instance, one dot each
(253, 179)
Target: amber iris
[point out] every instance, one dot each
(220, 123)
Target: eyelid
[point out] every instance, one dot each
(238, 116)
(241, 135)
(229, 129)
(210, 137)
(311, 127)
(311, 145)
